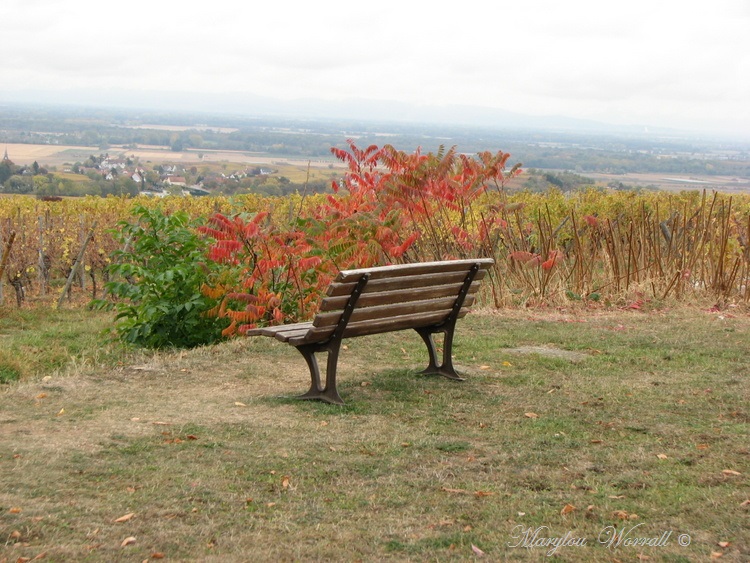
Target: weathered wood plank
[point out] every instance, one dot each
(287, 336)
(398, 296)
(274, 330)
(366, 328)
(398, 270)
(395, 309)
(403, 282)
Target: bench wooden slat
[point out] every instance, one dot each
(273, 330)
(366, 328)
(391, 310)
(413, 269)
(397, 296)
(403, 282)
(288, 335)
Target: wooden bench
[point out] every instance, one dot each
(428, 297)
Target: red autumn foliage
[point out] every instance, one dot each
(390, 207)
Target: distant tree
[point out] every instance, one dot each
(5, 172)
(176, 143)
(18, 184)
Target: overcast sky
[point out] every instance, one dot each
(676, 63)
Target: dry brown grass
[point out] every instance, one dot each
(213, 461)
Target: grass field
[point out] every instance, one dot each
(585, 424)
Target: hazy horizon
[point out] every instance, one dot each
(679, 65)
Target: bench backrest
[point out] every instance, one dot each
(398, 297)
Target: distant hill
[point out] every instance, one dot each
(308, 108)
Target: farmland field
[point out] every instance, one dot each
(52, 155)
(57, 155)
(676, 182)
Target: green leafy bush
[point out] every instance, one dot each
(157, 280)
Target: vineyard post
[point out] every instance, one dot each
(4, 260)
(76, 264)
(82, 268)
(42, 277)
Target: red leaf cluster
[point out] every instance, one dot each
(391, 206)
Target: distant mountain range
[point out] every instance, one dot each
(307, 108)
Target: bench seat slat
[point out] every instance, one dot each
(366, 328)
(414, 269)
(282, 332)
(391, 310)
(397, 296)
(403, 282)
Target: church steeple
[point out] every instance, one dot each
(5, 156)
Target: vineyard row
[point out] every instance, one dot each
(549, 248)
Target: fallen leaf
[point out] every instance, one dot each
(15, 510)
(128, 541)
(716, 554)
(192, 437)
(724, 544)
(238, 404)
(478, 552)
(620, 514)
(157, 423)
(507, 365)
(642, 557)
(460, 491)
(15, 534)
(270, 504)
(617, 497)
(324, 423)
(731, 472)
(484, 367)
(62, 412)
(157, 555)
(702, 446)
(41, 395)
(662, 456)
(567, 509)
(596, 441)
(405, 444)
(745, 503)
(285, 482)
(126, 517)
(365, 384)
(531, 415)
(467, 528)
(483, 493)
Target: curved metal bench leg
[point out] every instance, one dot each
(445, 368)
(328, 394)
